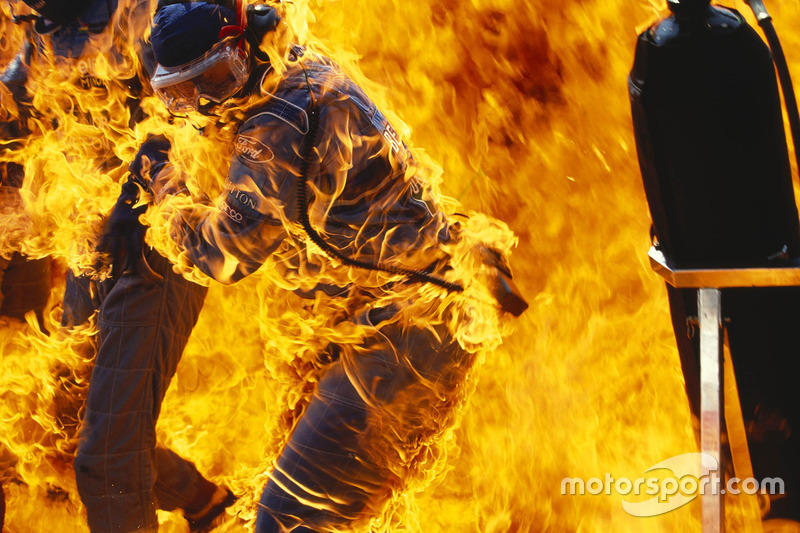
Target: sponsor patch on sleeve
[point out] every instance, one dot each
(241, 204)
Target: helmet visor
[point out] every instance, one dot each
(214, 76)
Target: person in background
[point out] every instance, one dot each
(89, 63)
(25, 283)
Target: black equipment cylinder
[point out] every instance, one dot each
(715, 166)
(711, 142)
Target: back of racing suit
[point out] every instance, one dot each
(388, 396)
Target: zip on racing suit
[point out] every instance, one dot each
(144, 324)
(386, 398)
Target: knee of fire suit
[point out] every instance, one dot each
(317, 488)
(323, 480)
(266, 523)
(82, 298)
(115, 491)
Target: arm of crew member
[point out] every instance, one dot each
(234, 237)
(224, 242)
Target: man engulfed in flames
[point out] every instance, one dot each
(401, 293)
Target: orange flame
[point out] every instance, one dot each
(516, 109)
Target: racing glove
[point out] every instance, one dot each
(123, 234)
(150, 159)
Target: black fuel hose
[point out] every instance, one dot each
(765, 21)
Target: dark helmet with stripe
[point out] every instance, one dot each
(58, 11)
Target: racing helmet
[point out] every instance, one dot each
(201, 53)
(58, 11)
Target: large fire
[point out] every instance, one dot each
(524, 107)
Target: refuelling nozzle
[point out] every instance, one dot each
(758, 10)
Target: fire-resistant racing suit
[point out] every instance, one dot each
(384, 400)
(144, 324)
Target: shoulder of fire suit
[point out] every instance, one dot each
(268, 145)
(270, 141)
(329, 84)
(309, 78)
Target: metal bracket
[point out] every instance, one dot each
(722, 278)
(708, 283)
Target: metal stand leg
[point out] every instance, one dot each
(708, 282)
(737, 441)
(709, 310)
